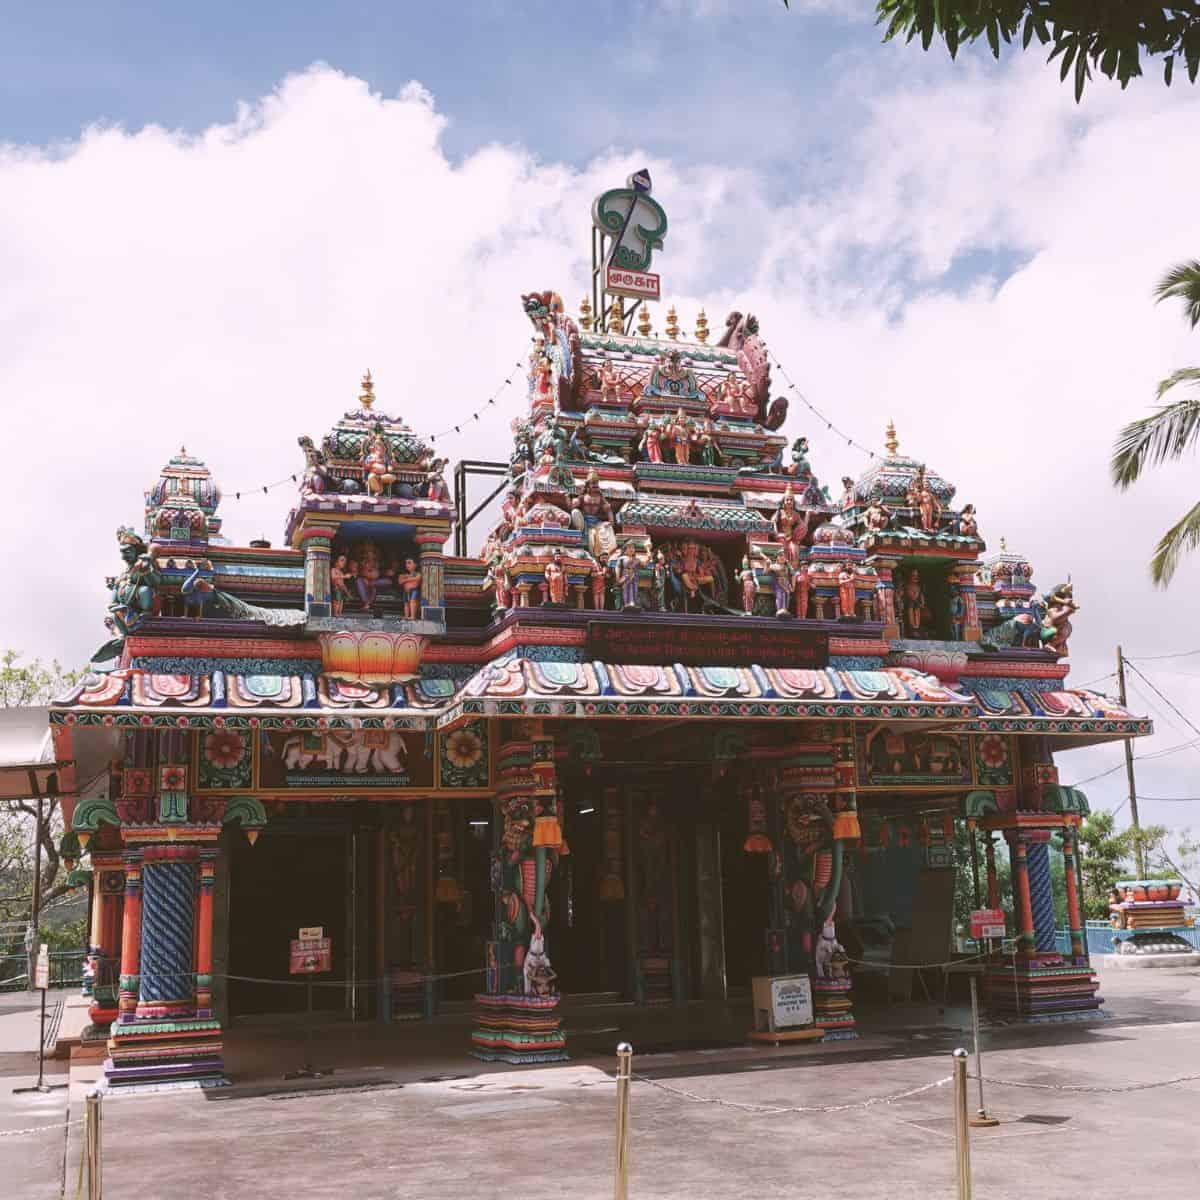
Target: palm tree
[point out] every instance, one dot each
(1169, 431)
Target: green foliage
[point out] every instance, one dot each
(1105, 858)
(1182, 861)
(25, 683)
(1109, 36)
(1169, 432)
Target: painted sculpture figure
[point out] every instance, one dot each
(749, 583)
(377, 464)
(968, 524)
(626, 571)
(846, 593)
(790, 525)
(610, 384)
(914, 607)
(408, 583)
(132, 592)
(1056, 624)
(339, 589)
(556, 580)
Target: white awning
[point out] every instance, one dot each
(26, 754)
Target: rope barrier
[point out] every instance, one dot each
(774, 1109)
(304, 982)
(1089, 1088)
(39, 1128)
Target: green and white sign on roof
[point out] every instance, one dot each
(634, 224)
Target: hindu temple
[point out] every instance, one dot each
(689, 715)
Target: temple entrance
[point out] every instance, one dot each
(301, 872)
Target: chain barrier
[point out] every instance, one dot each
(774, 1109)
(1089, 1088)
(892, 966)
(434, 978)
(39, 1128)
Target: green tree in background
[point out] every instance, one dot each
(1169, 432)
(1109, 36)
(1164, 861)
(26, 683)
(1105, 859)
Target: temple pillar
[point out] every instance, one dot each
(1074, 916)
(517, 1017)
(1022, 901)
(104, 946)
(165, 1031)
(131, 935)
(317, 543)
(433, 601)
(993, 883)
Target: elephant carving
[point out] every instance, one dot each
(363, 751)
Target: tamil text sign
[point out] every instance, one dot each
(700, 646)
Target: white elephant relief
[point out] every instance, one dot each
(362, 751)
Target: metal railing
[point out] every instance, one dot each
(66, 970)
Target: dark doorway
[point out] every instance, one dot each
(586, 939)
(291, 877)
(745, 894)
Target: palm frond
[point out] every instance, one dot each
(1166, 433)
(1182, 282)
(1182, 537)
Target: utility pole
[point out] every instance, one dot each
(1138, 851)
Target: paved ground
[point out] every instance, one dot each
(374, 1129)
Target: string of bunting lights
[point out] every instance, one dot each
(432, 438)
(816, 411)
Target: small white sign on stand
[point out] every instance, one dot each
(782, 1003)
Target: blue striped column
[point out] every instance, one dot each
(168, 920)
(1041, 895)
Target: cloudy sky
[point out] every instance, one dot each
(211, 225)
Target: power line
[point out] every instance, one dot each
(432, 438)
(1160, 657)
(812, 408)
(1170, 704)
(1171, 799)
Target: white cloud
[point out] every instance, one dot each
(227, 290)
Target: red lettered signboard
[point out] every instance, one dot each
(660, 643)
(312, 953)
(987, 923)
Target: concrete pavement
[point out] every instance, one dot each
(375, 1129)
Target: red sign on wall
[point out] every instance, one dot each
(311, 956)
(700, 646)
(987, 923)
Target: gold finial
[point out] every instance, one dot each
(367, 398)
(702, 328)
(891, 445)
(672, 324)
(644, 320)
(616, 317)
(585, 315)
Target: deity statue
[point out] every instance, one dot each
(339, 592)
(847, 597)
(660, 581)
(542, 371)
(800, 463)
(968, 524)
(197, 588)
(1056, 624)
(679, 433)
(610, 384)
(749, 586)
(625, 571)
(791, 525)
(593, 504)
(800, 587)
(958, 614)
(651, 440)
(917, 618)
(929, 507)
(367, 576)
(132, 592)
(847, 500)
(876, 518)
(692, 573)
(813, 864)
(729, 394)
(703, 438)
(912, 496)
(779, 572)
(498, 573)
(556, 580)
(408, 583)
(377, 464)
(316, 474)
(435, 481)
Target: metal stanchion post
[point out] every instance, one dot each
(962, 1149)
(980, 1120)
(624, 1074)
(95, 1176)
